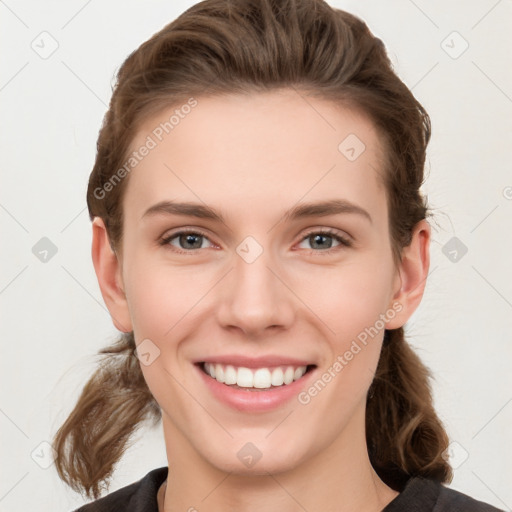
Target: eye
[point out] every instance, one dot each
(322, 239)
(187, 241)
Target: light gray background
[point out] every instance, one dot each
(54, 319)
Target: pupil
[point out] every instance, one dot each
(190, 239)
(317, 237)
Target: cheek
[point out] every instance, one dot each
(351, 304)
(352, 310)
(161, 296)
(350, 298)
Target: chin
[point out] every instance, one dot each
(253, 459)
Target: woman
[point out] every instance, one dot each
(260, 238)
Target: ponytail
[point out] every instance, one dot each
(403, 432)
(112, 404)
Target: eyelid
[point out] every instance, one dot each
(344, 239)
(328, 231)
(165, 239)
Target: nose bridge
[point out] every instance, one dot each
(255, 298)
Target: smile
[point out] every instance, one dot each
(256, 378)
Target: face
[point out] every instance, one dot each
(253, 279)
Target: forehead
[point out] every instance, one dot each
(267, 149)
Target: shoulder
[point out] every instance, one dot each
(455, 501)
(426, 495)
(137, 497)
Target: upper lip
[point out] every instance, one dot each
(255, 362)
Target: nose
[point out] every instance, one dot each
(255, 297)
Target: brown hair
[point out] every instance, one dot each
(237, 46)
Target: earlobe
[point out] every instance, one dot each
(412, 275)
(109, 275)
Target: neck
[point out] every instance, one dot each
(338, 478)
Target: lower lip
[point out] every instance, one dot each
(254, 400)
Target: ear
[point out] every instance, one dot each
(411, 277)
(109, 273)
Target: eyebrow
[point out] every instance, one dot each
(302, 210)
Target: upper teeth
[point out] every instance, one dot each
(257, 378)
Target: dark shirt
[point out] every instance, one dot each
(419, 495)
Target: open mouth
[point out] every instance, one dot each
(255, 378)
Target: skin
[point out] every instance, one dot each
(252, 158)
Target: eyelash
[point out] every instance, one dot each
(345, 242)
